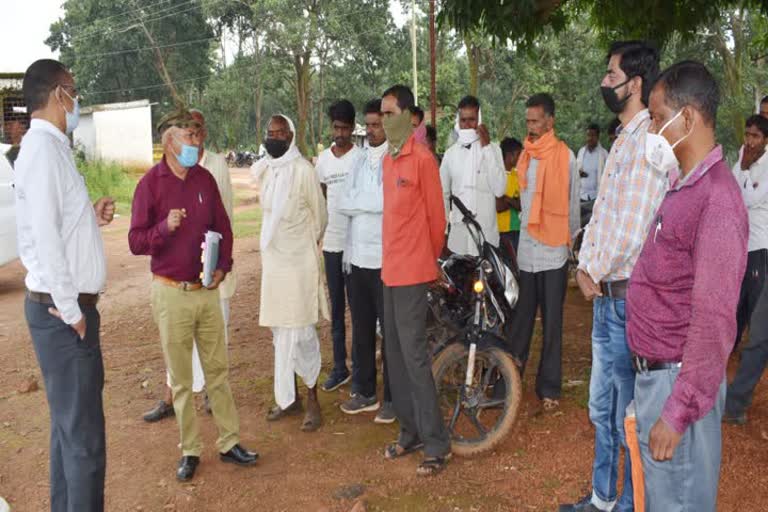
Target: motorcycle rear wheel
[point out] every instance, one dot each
(480, 417)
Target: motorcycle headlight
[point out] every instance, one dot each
(479, 286)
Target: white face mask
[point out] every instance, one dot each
(659, 152)
(468, 136)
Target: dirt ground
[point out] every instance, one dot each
(546, 460)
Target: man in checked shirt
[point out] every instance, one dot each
(628, 195)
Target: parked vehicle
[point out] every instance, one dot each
(471, 307)
(8, 244)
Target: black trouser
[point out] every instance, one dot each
(754, 357)
(751, 288)
(73, 372)
(414, 395)
(511, 237)
(366, 301)
(337, 282)
(546, 290)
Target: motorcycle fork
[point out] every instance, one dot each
(477, 328)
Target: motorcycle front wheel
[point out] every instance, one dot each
(480, 416)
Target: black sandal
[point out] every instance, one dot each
(391, 452)
(432, 466)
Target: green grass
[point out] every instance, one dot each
(247, 223)
(109, 179)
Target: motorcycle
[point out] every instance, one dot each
(470, 310)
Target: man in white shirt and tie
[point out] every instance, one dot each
(61, 248)
(472, 170)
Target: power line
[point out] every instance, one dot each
(134, 23)
(101, 20)
(146, 48)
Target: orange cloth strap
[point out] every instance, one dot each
(638, 479)
(548, 218)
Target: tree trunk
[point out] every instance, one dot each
(259, 92)
(473, 57)
(160, 65)
(301, 66)
(733, 62)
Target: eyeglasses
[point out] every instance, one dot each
(75, 93)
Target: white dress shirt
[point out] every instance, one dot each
(362, 201)
(754, 187)
(59, 240)
(478, 192)
(533, 255)
(332, 172)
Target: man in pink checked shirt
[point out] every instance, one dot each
(682, 297)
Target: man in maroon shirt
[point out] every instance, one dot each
(174, 205)
(682, 296)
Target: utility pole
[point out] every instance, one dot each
(432, 65)
(413, 48)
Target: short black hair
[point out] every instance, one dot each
(760, 122)
(594, 127)
(764, 100)
(373, 106)
(543, 100)
(405, 99)
(690, 83)
(344, 111)
(431, 133)
(638, 58)
(510, 145)
(40, 79)
(469, 102)
(418, 112)
(613, 126)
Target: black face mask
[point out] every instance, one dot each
(275, 147)
(612, 100)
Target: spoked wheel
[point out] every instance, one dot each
(478, 417)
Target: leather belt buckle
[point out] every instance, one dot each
(640, 364)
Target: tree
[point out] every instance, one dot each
(119, 52)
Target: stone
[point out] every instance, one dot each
(29, 385)
(349, 492)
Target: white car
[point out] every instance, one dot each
(8, 245)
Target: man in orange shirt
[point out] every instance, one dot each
(413, 236)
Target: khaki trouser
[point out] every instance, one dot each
(182, 317)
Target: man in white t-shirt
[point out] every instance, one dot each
(333, 166)
(590, 162)
(751, 173)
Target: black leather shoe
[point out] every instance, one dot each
(240, 456)
(187, 467)
(162, 410)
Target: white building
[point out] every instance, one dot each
(117, 132)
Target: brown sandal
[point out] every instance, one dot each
(432, 466)
(395, 451)
(312, 420)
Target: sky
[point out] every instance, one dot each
(29, 21)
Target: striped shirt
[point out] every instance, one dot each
(630, 192)
(534, 256)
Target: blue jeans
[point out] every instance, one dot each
(611, 389)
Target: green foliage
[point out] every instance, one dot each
(108, 179)
(98, 39)
(523, 21)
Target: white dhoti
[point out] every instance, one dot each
(198, 377)
(297, 351)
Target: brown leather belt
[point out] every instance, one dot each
(614, 289)
(187, 286)
(84, 299)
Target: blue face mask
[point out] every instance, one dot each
(188, 155)
(73, 118)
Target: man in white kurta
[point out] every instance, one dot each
(292, 292)
(472, 170)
